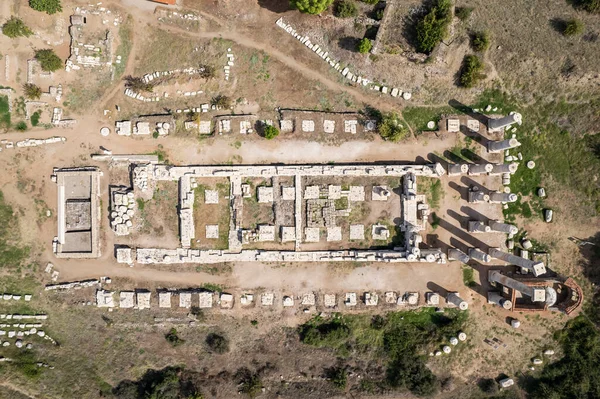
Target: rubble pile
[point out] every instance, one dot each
(122, 211)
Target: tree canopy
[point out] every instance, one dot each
(311, 6)
(270, 132)
(15, 27)
(48, 60)
(364, 46)
(47, 6)
(391, 127)
(433, 27)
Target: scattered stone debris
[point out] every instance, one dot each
(123, 208)
(72, 285)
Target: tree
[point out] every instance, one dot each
(47, 6)
(48, 60)
(15, 27)
(311, 6)
(338, 376)
(364, 45)
(207, 72)
(391, 128)
(370, 1)
(471, 72)
(217, 343)
(433, 27)
(138, 84)
(480, 41)
(21, 126)
(270, 132)
(346, 9)
(573, 27)
(32, 91)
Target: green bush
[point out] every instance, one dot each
(463, 13)
(330, 334)
(592, 6)
(480, 41)
(47, 6)
(270, 132)
(338, 376)
(311, 6)
(35, 118)
(217, 343)
(173, 338)
(21, 126)
(364, 46)
(471, 72)
(32, 91)
(370, 1)
(573, 27)
(379, 14)
(433, 27)
(48, 60)
(15, 27)
(138, 84)
(248, 382)
(346, 9)
(391, 127)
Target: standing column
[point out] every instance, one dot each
(457, 254)
(478, 196)
(479, 168)
(496, 298)
(495, 124)
(476, 226)
(503, 197)
(503, 227)
(477, 254)
(537, 294)
(457, 301)
(457, 169)
(537, 268)
(499, 146)
(504, 168)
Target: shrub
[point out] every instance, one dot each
(217, 343)
(391, 128)
(338, 376)
(378, 322)
(433, 27)
(463, 13)
(364, 46)
(328, 334)
(15, 27)
(35, 118)
(573, 27)
(249, 382)
(138, 84)
(270, 132)
(208, 72)
(221, 101)
(311, 6)
(47, 6)
(21, 126)
(32, 91)
(471, 72)
(48, 60)
(370, 1)
(155, 134)
(346, 9)
(173, 338)
(379, 14)
(592, 6)
(488, 385)
(480, 41)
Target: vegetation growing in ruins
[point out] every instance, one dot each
(4, 114)
(346, 9)
(12, 254)
(463, 13)
(270, 132)
(472, 71)
(31, 91)
(21, 126)
(168, 383)
(35, 118)
(47, 6)
(592, 6)
(221, 101)
(48, 60)
(311, 6)
(573, 27)
(364, 45)
(480, 40)
(400, 339)
(173, 338)
(391, 128)
(217, 343)
(125, 45)
(249, 382)
(338, 376)
(433, 26)
(370, 1)
(15, 27)
(138, 84)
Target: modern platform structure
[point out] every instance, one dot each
(78, 213)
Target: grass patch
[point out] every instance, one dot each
(4, 114)
(341, 203)
(213, 287)
(141, 204)
(417, 117)
(468, 276)
(435, 220)
(125, 44)
(432, 188)
(12, 252)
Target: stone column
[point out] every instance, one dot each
(477, 169)
(503, 197)
(457, 254)
(503, 227)
(457, 169)
(477, 254)
(476, 226)
(496, 298)
(496, 124)
(504, 168)
(537, 268)
(537, 294)
(478, 196)
(457, 301)
(499, 146)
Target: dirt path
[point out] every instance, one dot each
(18, 389)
